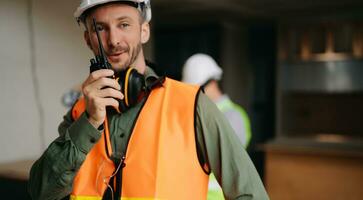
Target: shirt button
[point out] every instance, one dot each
(122, 135)
(92, 140)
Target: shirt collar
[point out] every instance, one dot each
(150, 75)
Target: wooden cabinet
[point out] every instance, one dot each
(298, 171)
(313, 41)
(318, 150)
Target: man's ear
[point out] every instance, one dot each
(145, 32)
(87, 39)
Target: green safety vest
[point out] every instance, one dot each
(226, 104)
(214, 190)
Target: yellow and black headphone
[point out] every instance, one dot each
(132, 87)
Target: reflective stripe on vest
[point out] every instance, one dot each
(100, 198)
(84, 198)
(161, 159)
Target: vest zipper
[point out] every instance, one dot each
(117, 192)
(123, 158)
(118, 176)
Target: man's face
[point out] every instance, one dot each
(122, 33)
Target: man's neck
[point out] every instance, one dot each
(212, 91)
(139, 63)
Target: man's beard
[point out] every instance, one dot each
(133, 54)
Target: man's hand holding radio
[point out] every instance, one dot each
(100, 91)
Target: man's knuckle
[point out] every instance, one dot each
(85, 91)
(93, 76)
(103, 81)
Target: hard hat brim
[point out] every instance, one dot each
(83, 8)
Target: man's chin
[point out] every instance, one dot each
(119, 66)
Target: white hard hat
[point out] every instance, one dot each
(143, 5)
(200, 68)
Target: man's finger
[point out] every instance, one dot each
(105, 82)
(94, 76)
(110, 92)
(110, 102)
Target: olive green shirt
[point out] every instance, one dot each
(51, 176)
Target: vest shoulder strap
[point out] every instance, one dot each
(78, 108)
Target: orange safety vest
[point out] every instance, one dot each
(161, 159)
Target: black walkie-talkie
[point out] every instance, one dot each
(100, 61)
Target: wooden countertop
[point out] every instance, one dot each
(309, 146)
(18, 170)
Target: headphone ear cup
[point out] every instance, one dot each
(136, 87)
(121, 80)
(132, 86)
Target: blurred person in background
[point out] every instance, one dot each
(164, 146)
(202, 69)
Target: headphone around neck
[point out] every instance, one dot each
(132, 86)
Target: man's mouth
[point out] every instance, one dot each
(115, 56)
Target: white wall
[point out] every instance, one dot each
(54, 57)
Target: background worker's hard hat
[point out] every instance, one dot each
(143, 5)
(200, 68)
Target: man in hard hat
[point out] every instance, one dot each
(202, 69)
(163, 147)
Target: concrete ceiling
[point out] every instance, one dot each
(256, 8)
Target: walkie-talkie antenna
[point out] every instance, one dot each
(102, 57)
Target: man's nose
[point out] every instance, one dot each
(114, 38)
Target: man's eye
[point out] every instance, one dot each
(99, 28)
(124, 25)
